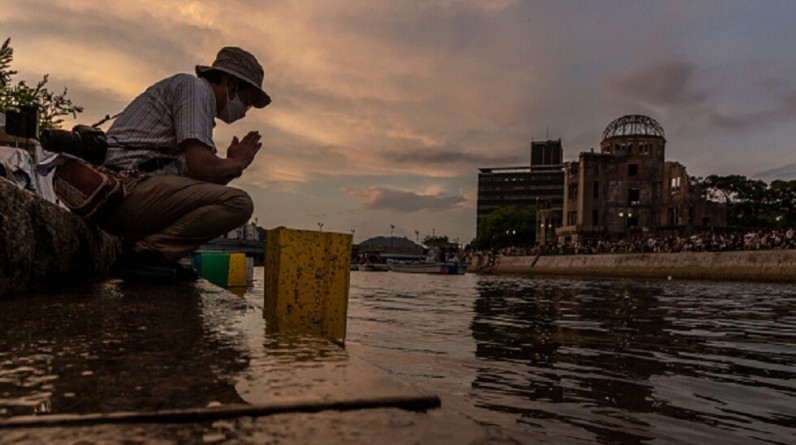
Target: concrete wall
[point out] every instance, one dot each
(43, 246)
(764, 265)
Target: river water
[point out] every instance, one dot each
(527, 360)
(597, 361)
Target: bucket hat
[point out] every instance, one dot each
(241, 64)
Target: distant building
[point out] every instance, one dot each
(389, 248)
(539, 184)
(628, 190)
(247, 231)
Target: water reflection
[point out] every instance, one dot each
(514, 325)
(608, 361)
(621, 361)
(114, 347)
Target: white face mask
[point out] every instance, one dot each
(233, 110)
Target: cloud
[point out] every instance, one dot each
(785, 173)
(449, 161)
(784, 110)
(666, 82)
(381, 198)
(405, 95)
(671, 86)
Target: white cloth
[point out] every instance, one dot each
(169, 112)
(25, 171)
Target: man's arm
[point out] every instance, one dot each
(204, 165)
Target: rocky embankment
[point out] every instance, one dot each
(43, 246)
(756, 265)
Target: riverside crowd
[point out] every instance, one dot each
(699, 242)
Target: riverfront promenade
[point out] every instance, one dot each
(760, 265)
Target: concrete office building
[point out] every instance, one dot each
(539, 184)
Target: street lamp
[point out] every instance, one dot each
(391, 238)
(320, 226)
(417, 236)
(625, 218)
(510, 236)
(541, 235)
(537, 218)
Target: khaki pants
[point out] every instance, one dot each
(172, 215)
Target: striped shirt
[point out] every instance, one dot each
(169, 112)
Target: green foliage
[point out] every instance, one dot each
(52, 107)
(507, 226)
(751, 204)
(732, 189)
(782, 202)
(6, 56)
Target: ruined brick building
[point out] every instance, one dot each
(628, 190)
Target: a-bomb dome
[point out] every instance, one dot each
(633, 125)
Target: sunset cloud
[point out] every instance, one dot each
(380, 198)
(390, 108)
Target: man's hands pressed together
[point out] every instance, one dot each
(245, 150)
(204, 165)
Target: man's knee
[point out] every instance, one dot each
(240, 203)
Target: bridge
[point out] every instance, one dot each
(252, 248)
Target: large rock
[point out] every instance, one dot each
(43, 246)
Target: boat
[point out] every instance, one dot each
(374, 267)
(446, 268)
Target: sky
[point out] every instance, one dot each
(383, 112)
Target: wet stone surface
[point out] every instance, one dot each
(113, 347)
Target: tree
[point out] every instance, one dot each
(507, 226)
(751, 204)
(52, 107)
(731, 189)
(782, 203)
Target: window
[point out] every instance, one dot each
(573, 192)
(595, 217)
(596, 189)
(675, 186)
(674, 217)
(632, 169)
(633, 197)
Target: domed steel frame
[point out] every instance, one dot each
(633, 125)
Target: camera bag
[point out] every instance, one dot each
(87, 189)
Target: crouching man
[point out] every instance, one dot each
(177, 197)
